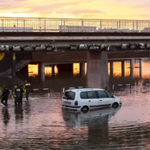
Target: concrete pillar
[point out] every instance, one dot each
(82, 69)
(111, 68)
(140, 68)
(132, 68)
(123, 68)
(97, 69)
(52, 69)
(42, 71)
(13, 64)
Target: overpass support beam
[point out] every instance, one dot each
(82, 69)
(140, 68)
(111, 68)
(132, 68)
(53, 70)
(42, 71)
(123, 67)
(97, 69)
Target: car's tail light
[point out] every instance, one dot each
(76, 103)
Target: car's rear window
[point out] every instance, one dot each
(69, 95)
(88, 95)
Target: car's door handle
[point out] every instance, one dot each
(100, 100)
(89, 101)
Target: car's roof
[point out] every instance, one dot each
(83, 89)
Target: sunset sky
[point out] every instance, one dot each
(98, 9)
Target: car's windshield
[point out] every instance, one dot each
(69, 95)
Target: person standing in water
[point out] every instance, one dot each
(17, 95)
(27, 89)
(4, 96)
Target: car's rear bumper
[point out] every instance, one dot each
(75, 108)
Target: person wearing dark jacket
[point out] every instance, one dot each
(4, 96)
(28, 89)
(17, 95)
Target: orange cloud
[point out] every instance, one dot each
(98, 9)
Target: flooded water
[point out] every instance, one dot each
(41, 124)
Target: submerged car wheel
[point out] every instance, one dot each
(85, 109)
(115, 105)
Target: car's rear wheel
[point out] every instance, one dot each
(85, 109)
(115, 105)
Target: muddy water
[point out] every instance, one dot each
(41, 124)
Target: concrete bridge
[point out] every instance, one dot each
(35, 41)
(97, 46)
(99, 42)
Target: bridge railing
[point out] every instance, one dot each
(72, 25)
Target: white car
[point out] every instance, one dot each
(86, 99)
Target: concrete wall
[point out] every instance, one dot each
(59, 57)
(81, 56)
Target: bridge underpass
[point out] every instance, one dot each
(72, 57)
(63, 58)
(96, 47)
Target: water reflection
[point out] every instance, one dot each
(41, 124)
(18, 113)
(91, 119)
(48, 127)
(6, 115)
(96, 121)
(27, 108)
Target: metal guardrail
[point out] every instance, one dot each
(50, 93)
(38, 89)
(23, 24)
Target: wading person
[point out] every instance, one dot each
(17, 95)
(4, 96)
(27, 89)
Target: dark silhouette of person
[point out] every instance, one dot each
(17, 95)
(28, 89)
(4, 96)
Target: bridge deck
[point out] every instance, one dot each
(74, 34)
(64, 41)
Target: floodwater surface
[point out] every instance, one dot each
(41, 124)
